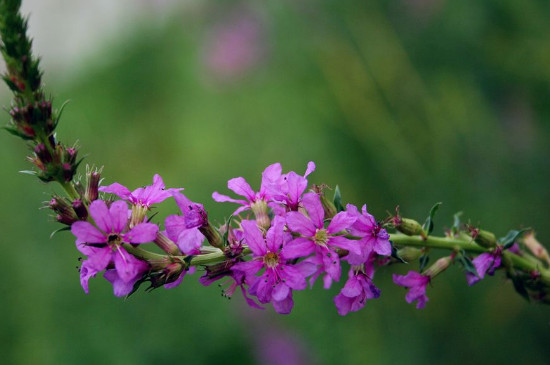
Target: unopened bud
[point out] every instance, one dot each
(410, 227)
(65, 219)
(42, 153)
(167, 245)
(409, 253)
(168, 274)
(64, 210)
(80, 209)
(438, 267)
(68, 171)
(212, 235)
(484, 238)
(259, 208)
(536, 247)
(92, 185)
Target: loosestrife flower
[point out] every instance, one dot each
(279, 277)
(103, 247)
(485, 263)
(416, 283)
(146, 196)
(373, 237)
(184, 229)
(289, 189)
(358, 289)
(317, 239)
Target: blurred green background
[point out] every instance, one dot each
(398, 102)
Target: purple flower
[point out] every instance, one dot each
(279, 277)
(486, 263)
(270, 176)
(290, 187)
(103, 245)
(184, 229)
(122, 287)
(373, 236)
(317, 239)
(145, 196)
(358, 289)
(416, 283)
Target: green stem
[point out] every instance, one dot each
(70, 190)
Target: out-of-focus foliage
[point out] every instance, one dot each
(401, 102)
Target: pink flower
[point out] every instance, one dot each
(373, 237)
(317, 239)
(485, 263)
(416, 283)
(102, 245)
(279, 277)
(145, 196)
(289, 189)
(184, 229)
(270, 176)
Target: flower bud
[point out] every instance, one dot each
(536, 247)
(438, 267)
(410, 227)
(167, 245)
(80, 209)
(409, 254)
(42, 153)
(92, 185)
(212, 235)
(259, 208)
(65, 212)
(166, 275)
(484, 238)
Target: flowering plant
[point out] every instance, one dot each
(278, 239)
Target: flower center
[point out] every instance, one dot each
(321, 237)
(271, 260)
(114, 239)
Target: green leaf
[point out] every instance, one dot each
(428, 226)
(424, 259)
(466, 262)
(68, 228)
(337, 200)
(456, 223)
(520, 287)
(225, 239)
(511, 237)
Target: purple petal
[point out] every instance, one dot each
(275, 235)
(341, 221)
(189, 241)
(182, 201)
(331, 264)
(249, 300)
(253, 238)
(312, 203)
(119, 215)
(101, 216)
(86, 272)
(85, 232)
(241, 187)
(345, 243)
(299, 223)
(299, 247)
(471, 278)
(224, 198)
(482, 263)
(382, 247)
(248, 267)
(353, 287)
(343, 304)
(293, 277)
(284, 306)
(174, 225)
(142, 233)
(296, 185)
(101, 258)
(119, 190)
(310, 168)
(270, 178)
(127, 266)
(280, 292)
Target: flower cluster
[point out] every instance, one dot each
(290, 239)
